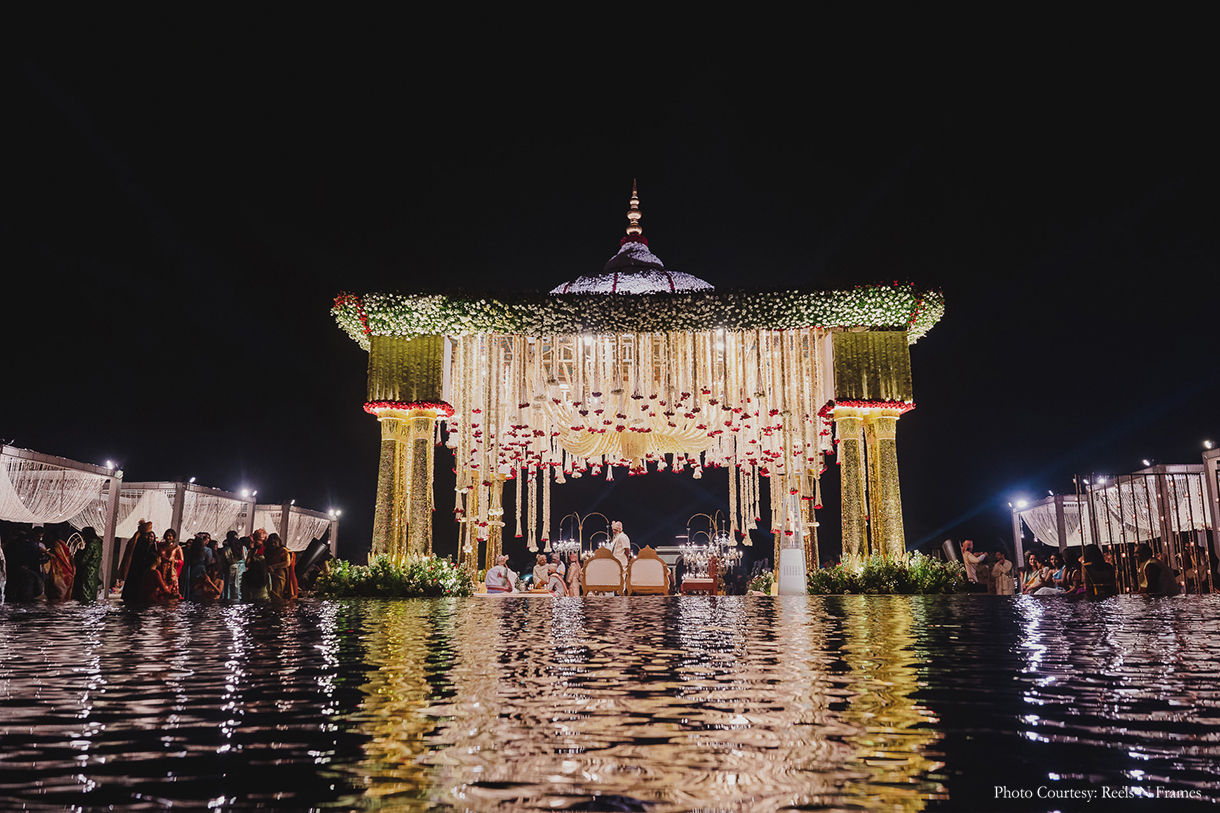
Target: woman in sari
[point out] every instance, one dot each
(159, 584)
(61, 569)
(209, 585)
(1033, 575)
(281, 569)
(172, 552)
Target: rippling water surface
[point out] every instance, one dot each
(650, 704)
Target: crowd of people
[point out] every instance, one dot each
(252, 568)
(40, 562)
(1090, 574)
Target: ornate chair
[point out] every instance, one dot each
(647, 573)
(603, 573)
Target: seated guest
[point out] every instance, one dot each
(210, 585)
(499, 578)
(554, 583)
(159, 583)
(1098, 574)
(540, 573)
(1156, 577)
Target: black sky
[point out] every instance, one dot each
(182, 209)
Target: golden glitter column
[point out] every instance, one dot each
(851, 474)
(390, 519)
(886, 498)
(419, 496)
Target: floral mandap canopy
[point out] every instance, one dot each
(645, 369)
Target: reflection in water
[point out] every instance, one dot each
(896, 731)
(646, 703)
(651, 703)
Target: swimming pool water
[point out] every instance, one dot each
(648, 703)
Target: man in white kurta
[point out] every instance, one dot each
(620, 546)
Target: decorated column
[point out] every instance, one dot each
(405, 392)
(884, 494)
(848, 434)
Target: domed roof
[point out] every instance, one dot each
(635, 269)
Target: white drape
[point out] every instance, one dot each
(45, 493)
(303, 529)
(208, 513)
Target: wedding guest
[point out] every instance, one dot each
(61, 568)
(281, 570)
(574, 574)
(1156, 577)
(141, 553)
(540, 572)
(1098, 574)
(554, 583)
(499, 578)
(88, 567)
(1001, 572)
(199, 559)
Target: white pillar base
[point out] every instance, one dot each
(792, 572)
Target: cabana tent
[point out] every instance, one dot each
(1172, 507)
(297, 526)
(42, 489)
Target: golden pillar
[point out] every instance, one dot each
(406, 393)
(884, 494)
(402, 524)
(848, 431)
(390, 521)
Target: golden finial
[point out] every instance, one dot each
(633, 214)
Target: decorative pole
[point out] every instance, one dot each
(851, 474)
(884, 493)
(405, 392)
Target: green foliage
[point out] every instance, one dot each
(761, 583)
(417, 577)
(883, 575)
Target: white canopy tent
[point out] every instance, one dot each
(1158, 503)
(43, 489)
(297, 526)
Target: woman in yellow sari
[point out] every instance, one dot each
(281, 568)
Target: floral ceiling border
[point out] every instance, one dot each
(894, 306)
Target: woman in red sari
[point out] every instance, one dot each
(160, 583)
(61, 570)
(172, 552)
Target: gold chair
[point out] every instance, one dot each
(603, 573)
(647, 574)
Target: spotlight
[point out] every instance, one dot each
(110, 464)
(1207, 444)
(192, 480)
(1147, 462)
(1021, 503)
(245, 492)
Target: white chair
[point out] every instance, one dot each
(603, 573)
(647, 574)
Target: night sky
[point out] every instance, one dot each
(178, 223)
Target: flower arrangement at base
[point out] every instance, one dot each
(414, 577)
(911, 575)
(761, 583)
